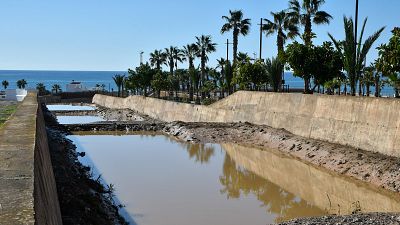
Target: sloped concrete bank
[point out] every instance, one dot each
(371, 124)
(28, 192)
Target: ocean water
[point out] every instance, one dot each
(89, 79)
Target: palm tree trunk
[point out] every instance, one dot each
(281, 51)
(235, 44)
(307, 32)
(377, 85)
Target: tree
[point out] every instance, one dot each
(171, 56)
(57, 88)
(353, 56)
(140, 78)
(221, 64)
(21, 84)
(160, 82)
(41, 88)
(285, 28)
(238, 25)
(119, 81)
(322, 63)
(388, 62)
(250, 75)
(5, 84)
(205, 46)
(157, 58)
(190, 52)
(228, 76)
(242, 58)
(274, 69)
(369, 78)
(307, 13)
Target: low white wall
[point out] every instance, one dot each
(368, 123)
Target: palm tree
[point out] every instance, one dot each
(190, 52)
(171, 56)
(5, 84)
(238, 25)
(274, 69)
(242, 57)
(353, 56)
(157, 58)
(119, 81)
(41, 88)
(284, 26)
(178, 57)
(221, 64)
(21, 84)
(204, 45)
(307, 13)
(57, 88)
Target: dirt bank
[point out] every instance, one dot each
(377, 169)
(83, 199)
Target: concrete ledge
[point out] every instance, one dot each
(371, 124)
(28, 193)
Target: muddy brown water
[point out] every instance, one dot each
(164, 181)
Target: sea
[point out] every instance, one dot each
(89, 79)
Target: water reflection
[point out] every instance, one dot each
(220, 184)
(238, 181)
(200, 152)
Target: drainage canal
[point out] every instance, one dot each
(161, 180)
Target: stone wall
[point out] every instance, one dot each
(28, 193)
(367, 123)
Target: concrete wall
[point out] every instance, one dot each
(368, 123)
(28, 193)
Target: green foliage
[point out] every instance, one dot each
(208, 101)
(238, 26)
(41, 88)
(250, 75)
(307, 13)
(21, 84)
(285, 28)
(228, 75)
(56, 88)
(322, 63)
(208, 86)
(119, 81)
(160, 82)
(389, 59)
(274, 69)
(353, 56)
(140, 78)
(5, 84)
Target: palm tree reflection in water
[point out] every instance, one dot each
(237, 182)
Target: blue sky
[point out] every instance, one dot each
(109, 34)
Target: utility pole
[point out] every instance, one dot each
(261, 31)
(141, 57)
(355, 39)
(227, 49)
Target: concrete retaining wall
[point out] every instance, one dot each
(28, 193)
(368, 123)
